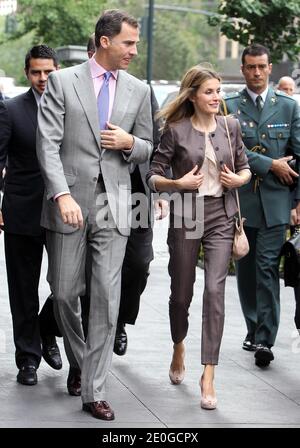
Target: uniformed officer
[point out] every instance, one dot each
(270, 123)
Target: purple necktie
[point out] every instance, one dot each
(103, 101)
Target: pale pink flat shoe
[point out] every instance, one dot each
(209, 402)
(176, 377)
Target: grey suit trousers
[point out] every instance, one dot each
(67, 255)
(217, 241)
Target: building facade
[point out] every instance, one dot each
(7, 7)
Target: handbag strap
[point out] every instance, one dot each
(232, 159)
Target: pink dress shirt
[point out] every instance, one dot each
(97, 72)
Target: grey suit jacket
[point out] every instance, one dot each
(182, 147)
(69, 146)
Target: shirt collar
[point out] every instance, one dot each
(254, 95)
(97, 69)
(37, 96)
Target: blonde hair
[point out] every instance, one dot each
(182, 106)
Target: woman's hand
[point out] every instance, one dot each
(191, 180)
(161, 208)
(229, 179)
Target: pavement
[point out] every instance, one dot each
(139, 389)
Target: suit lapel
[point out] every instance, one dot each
(84, 87)
(247, 106)
(31, 107)
(122, 98)
(269, 108)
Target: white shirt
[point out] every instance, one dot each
(211, 185)
(254, 95)
(37, 97)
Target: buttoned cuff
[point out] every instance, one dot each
(60, 194)
(127, 152)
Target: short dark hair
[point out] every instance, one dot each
(91, 43)
(110, 23)
(255, 50)
(40, 52)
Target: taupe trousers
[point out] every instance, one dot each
(217, 242)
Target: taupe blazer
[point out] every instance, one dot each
(182, 147)
(69, 146)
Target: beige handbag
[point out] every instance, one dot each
(240, 246)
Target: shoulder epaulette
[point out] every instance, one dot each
(285, 95)
(231, 95)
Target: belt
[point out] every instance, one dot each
(213, 197)
(256, 148)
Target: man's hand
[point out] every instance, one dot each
(116, 138)
(190, 181)
(161, 208)
(70, 211)
(1, 220)
(283, 171)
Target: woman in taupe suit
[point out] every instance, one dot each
(195, 145)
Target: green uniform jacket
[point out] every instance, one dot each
(273, 131)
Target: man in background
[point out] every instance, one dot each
(270, 125)
(287, 84)
(24, 238)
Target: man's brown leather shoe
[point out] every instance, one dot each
(99, 409)
(74, 382)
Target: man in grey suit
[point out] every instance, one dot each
(86, 171)
(139, 251)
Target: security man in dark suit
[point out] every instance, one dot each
(139, 251)
(34, 335)
(270, 124)
(287, 84)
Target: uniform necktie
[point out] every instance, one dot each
(259, 103)
(103, 101)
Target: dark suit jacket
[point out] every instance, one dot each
(23, 186)
(138, 176)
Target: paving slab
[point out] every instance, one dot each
(139, 389)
